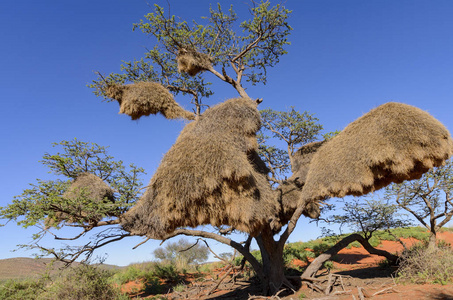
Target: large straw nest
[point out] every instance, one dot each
(301, 160)
(147, 98)
(291, 189)
(211, 175)
(392, 143)
(86, 188)
(192, 62)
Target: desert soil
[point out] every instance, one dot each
(360, 275)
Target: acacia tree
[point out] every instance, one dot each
(42, 205)
(364, 218)
(429, 199)
(235, 59)
(182, 252)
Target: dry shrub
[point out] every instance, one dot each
(392, 143)
(86, 188)
(211, 175)
(420, 264)
(192, 62)
(147, 98)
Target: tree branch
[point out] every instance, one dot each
(315, 265)
(250, 258)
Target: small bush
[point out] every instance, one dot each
(21, 289)
(81, 283)
(296, 251)
(422, 265)
(153, 286)
(166, 272)
(179, 287)
(84, 282)
(256, 253)
(131, 273)
(328, 265)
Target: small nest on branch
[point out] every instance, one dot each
(86, 188)
(147, 98)
(392, 143)
(211, 175)
(192, 62)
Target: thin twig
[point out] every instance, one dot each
(386, 290)
(141, 243)
(219, 281)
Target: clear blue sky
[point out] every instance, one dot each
(346, 57)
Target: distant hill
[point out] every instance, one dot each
(25, 267)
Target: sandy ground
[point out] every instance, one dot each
(360, 276)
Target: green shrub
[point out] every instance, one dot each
(85, 282)
(328, 265)
(166, 272)
(256, 253)
(21, 289)
(296, 251)
(131, 273)
(179, 287)
(153, 286)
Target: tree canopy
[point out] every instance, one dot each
(217, 172)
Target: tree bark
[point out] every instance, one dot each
(432, 242)
(273, 264)
(316, 264)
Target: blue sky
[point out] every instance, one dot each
(346, 58)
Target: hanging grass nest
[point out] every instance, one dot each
(192, 62)
(147, 98)
(392, 143)
(212, 175)
(87, 189)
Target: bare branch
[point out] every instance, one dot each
(141, 243)
(241, 249)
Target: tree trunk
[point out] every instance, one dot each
(432, 242)
(273, 264)
(316, 264)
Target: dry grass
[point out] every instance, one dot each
(147, 98)
(211, 175)
(422, 265)
(392, 143)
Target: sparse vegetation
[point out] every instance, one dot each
(429, 199)
(423, 264)
(418, 265)
(84, 282)
(21, 289)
